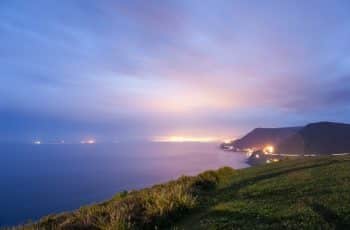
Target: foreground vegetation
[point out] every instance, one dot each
(307, 193)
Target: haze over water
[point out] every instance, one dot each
(41, 179)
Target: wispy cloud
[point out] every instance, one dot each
(212, 65)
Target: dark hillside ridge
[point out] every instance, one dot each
(318, 138)
(260, 137)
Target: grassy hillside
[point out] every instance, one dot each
(309, 193)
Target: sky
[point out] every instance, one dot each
(137, 70)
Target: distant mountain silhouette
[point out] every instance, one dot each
(260, 137)
(318, 138)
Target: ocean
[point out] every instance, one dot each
(36, 180)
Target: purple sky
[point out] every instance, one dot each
(124, 70)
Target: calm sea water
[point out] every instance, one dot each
(36, 180)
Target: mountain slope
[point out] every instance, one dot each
(318, 138)
(260, 137)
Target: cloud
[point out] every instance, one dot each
(202, 65)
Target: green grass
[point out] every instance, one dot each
(308, 193)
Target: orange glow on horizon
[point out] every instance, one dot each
(184, 139)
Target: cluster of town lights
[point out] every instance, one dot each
(269, 149)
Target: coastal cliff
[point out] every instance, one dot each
(318, 138)
(260, 137)
(321, 138)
